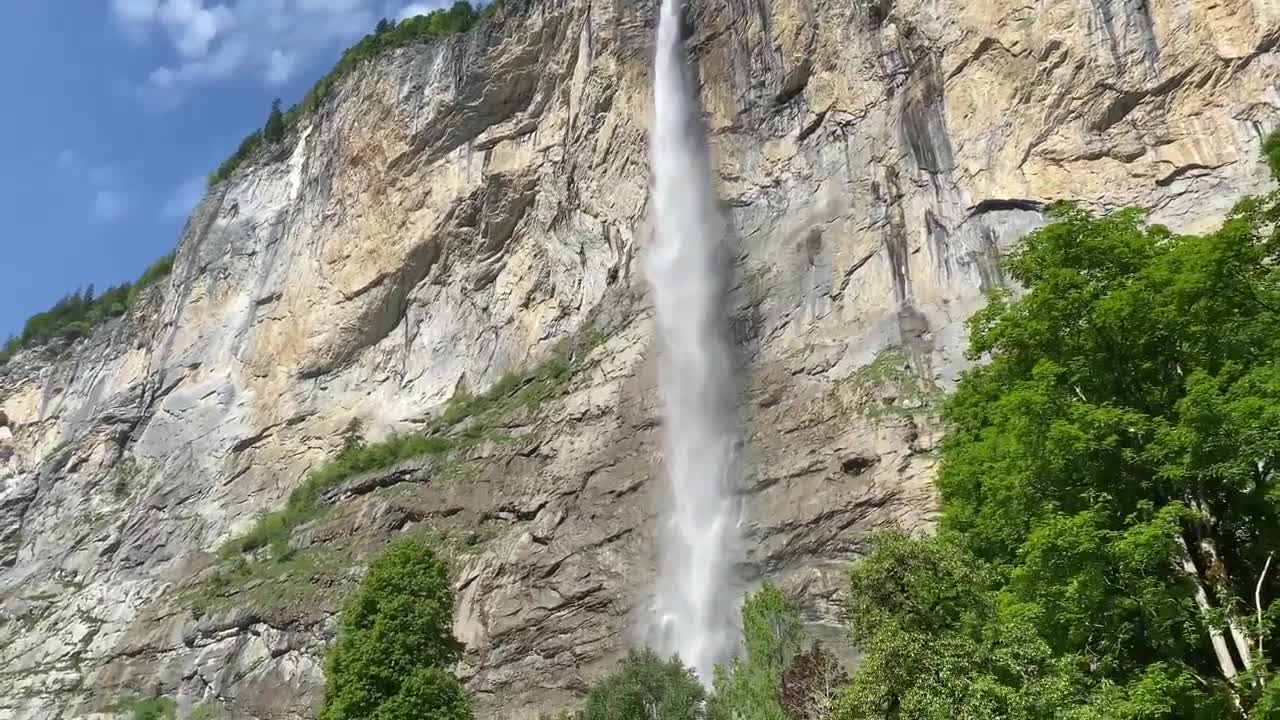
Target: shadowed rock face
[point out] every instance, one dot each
(459, 209)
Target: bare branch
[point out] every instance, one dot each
(1257, 599)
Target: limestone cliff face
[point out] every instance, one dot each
(459, 212)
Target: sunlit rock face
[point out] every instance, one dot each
(457, 211)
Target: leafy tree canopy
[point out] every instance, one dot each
(391, 660)
(646, 687)
(1109, 491)
(749, 688)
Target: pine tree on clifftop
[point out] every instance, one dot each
(273, 132)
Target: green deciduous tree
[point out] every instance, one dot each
(396, 643)
(646, 687)
(750, 687)
(428, 694)
(1109, 490)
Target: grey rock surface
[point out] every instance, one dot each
(458, 210)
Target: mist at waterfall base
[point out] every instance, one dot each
(694, 613)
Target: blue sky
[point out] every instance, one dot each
(116, 110)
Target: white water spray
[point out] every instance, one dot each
(695, 608)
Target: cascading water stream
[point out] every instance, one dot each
(695, 608)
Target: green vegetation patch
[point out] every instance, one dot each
(1271, 151)
(205, 712)
(889, 387)
(315, 577)
(160, 708)
(396, 644)
(306, 502)
(466, 421)
(310, 578)
(135, 708)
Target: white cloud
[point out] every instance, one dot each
(134, 16)
(418, 9)
(280, 67)
(213, 41)
(103, 181)
(109, 205)
(167, 87)
(192, 27)
(183, 199)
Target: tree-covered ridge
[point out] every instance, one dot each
(75, 315)
(388, 35)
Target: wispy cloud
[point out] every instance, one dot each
(183, 199)
(111, 199)
(416, 9)
(109, 205)
(273, 40)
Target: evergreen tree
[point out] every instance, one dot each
(273, 131)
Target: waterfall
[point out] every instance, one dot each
(695, 605)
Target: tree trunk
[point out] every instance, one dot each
(1257, 602)
(1216, 574)
(1220, 648)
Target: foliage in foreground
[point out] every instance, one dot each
(1110, 504)
(75, 315)
(749, 687)
(1109, 491)
(396, 644)
(645, 687)
(773, 680)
